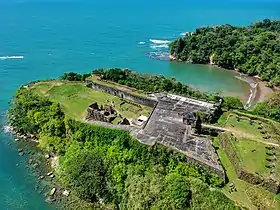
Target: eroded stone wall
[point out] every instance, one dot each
(96, 115)
(122, 94)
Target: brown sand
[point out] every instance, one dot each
(262, 92)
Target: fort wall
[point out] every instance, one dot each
(219, 171)
(126, 95)
(122, 94)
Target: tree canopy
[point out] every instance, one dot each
(254, 50)
(269, 108)
(108, 166)
(72, 76)
(152, 83)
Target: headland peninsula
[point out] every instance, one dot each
(120, 139)
(251, 50)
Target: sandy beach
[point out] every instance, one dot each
(262, 92)
(258, 90)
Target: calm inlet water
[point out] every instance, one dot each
(41, 39)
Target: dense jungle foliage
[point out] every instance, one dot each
(254, 50)
(269, 108)
(72, 76)
(150, 83)
(108, 167)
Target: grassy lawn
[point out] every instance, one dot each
(250, 148)
(253, 155)
(247, 195)
(250, 144)
(223, 119)
(243, 128)
(74, 98)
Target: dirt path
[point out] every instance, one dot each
(249, 136)
(214, 127)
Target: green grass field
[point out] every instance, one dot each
(250, 142)
(252, 155)
(250, 146)
(74, 98)
(247, 195)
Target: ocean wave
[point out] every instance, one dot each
(158, 55)
(252, 96)
(6, 129)
(155, 41)
(159, 46)
(11, 57)
(186, 33)
(141, 42)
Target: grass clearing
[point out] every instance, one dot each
(248, 196)
(254, 130)
(74, 98)
(243, 128)
(253, 155)
(249, 144)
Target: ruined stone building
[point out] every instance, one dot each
(174, 122)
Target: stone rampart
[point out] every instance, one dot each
(184, 106)
(219, 171)
(122, 94)
(226, 144)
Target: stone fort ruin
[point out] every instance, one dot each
(104, 113)
(174, 122)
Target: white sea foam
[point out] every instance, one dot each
(155, 41)
(159, 46)
(158, 55)
(253, 92)
(183, 34)
(7, 129)
(11, 57)
(141, 42)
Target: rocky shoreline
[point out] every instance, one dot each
(42, 166)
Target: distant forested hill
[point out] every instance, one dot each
(254, 50)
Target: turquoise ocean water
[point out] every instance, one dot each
(41, 39)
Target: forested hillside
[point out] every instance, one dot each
(254, 50)
(108, 169)
(270, 107)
